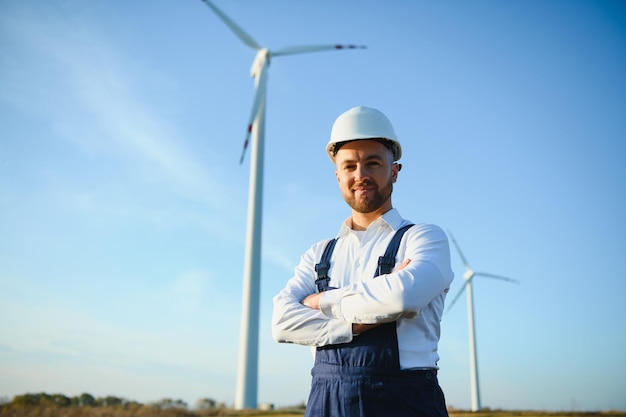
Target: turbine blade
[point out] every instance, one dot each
(259, 94)
(459, 250)
(291, 50)
(245, 144)
(241, 34)
(454, 300)
(484, 274)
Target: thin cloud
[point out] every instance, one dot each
(93, 102)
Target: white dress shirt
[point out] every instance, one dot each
(414, 296)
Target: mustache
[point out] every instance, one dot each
(366, 183)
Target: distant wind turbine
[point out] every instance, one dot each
(468, 276)
(247, 376)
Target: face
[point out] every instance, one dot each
(366, 172)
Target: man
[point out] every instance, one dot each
(375, 331)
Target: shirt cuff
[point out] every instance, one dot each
(342, 333)
(330, 303)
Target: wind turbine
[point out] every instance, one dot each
(247, 375)
(468, 276)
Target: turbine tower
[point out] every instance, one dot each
(247, 374)
(468, 276)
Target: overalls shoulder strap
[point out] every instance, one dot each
(385, 262)
(323, 266)
(388, 260)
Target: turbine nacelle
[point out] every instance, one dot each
(468, 274)
(262, 58)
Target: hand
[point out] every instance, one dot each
(360, 328)
(312, 301)
(403, 265)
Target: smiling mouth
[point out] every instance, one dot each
(363, 190)
(363, 187)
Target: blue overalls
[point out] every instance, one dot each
(363, 378)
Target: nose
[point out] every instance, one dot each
(360, 173)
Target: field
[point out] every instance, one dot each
(56, 411)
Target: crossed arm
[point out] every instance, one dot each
(313, 301)
(303, 316)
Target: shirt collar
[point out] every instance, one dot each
(391, 218)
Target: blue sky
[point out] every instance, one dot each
(123, 203)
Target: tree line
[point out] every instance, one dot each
(88, 400)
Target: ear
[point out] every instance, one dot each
(395, 168)
(337, 175)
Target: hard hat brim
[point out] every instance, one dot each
(393, 145)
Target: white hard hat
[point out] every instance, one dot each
(360, 123)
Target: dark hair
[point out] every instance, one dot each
(385, 142)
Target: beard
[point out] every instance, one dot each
(367, 205)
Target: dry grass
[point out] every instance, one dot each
(146, 411)
(513, 413)
(139, 411)
(56, 411)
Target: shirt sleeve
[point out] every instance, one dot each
(293, 322)
(399, 294)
